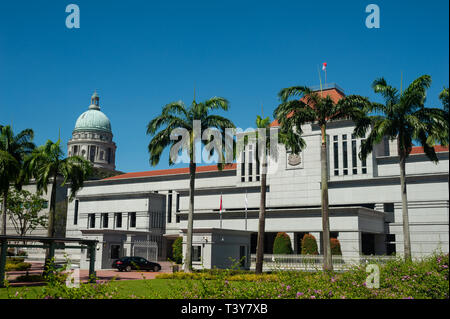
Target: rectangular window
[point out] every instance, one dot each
(196, 253)
(118, 220)
(364, 164)
(336, 155)
(344, 152)
(105, 220)
(243, 166)
(75, 213)
(354, 156)
(250, 163)
(178, 203)
(91, 220)
(178, 219)
(169, 207)
(132, 218)
(257, 163)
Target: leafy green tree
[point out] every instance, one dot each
(299, 106)
(176, 119)
(13, 150)
(24, 208)
(46, 164)
(282, 244)
(403, 118)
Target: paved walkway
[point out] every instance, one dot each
(102, 275)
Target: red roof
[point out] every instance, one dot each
(437, 149)
(172, 171)
(334, 94)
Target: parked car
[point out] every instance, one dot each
(135, 263)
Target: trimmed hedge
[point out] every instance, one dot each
(282, 244)
(309, 245)
(335, 247)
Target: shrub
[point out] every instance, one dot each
(335, 247)
(177, 250)
(282, 244)
(309, 245)
(20, 266)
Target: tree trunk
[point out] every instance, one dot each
(406, 235)
(5, 198)
(52, 212)
(190, 226)
(262, 220)
(327, 261)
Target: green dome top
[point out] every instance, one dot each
(93, 119)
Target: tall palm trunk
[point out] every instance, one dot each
(190, 226)
(262, 219)
(52, 212)
(5, 198)
(405, 216)
(327, 261)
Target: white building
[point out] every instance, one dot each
(364, 196)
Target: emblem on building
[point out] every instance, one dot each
(294, 159)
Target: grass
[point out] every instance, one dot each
(425, 279)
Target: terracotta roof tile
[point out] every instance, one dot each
(437, 148)
(171, 171)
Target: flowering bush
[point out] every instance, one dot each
(423, 279)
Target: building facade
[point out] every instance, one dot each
(364, 197)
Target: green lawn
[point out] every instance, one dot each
(154, 288)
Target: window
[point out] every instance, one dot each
(178, 203)
(336, 155)
(364, 164)
(243, 166)
(242, 256)
(250, 162)
(105, 220)
(196, 253)
(132, 217)
(91, 220)
(354, 156)
(45, 205)
(344, 152)
(75, 213)
(92, 153)
(169, 207)
(257, 163)
(388, 207)
(118, 220)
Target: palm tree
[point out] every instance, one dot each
(404, 118)
(314, 108)
(46, 164)
(265, 148)
(192, 120)
(13, 150)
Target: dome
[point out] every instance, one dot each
(93, 118)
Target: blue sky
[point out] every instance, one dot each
(140, 55)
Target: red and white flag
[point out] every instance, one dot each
(324, 66)
(220, 208)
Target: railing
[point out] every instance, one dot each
(315, 262)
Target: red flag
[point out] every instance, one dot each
(220, 209)
(324, 66)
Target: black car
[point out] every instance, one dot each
(135, 263)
